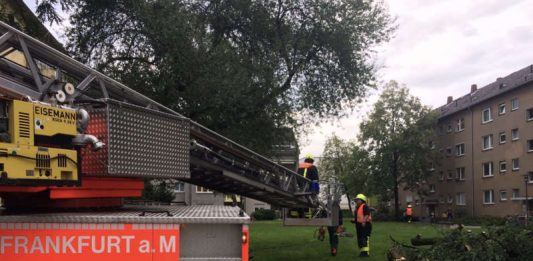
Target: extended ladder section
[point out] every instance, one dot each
(143, 138)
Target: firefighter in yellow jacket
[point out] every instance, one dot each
(363, 225)
(308, 170)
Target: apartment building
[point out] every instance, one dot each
(484, 145)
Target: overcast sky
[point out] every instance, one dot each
(440, 49)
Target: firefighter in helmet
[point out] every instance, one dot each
(363, 225)
(308, 170)
(409, 213)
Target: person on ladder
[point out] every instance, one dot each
(309, 171)
(363, 225)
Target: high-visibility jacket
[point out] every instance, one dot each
(305, 166)
(409, 212)
(308, 170)
(361, 215)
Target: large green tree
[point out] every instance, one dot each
(397, 135)
(245, 68)
(346, 162)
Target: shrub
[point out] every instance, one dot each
(507, 242)
(380, 216)
(264, 214)
(481, 221)
(158, 190)
(347, 214)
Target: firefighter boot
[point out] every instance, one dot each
(365, 251)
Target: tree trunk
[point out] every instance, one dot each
(418, 241)
(350, 204)
(396, 195)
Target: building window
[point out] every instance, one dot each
(486, 115)
(530, 146)
(180, 187)
(530, 177)
(488, 196)
(516, 193)
(432, 188)
(431, 144)
(514, 134)
(503, 137)
(460, 199)
(460, 149)
(450, 199)
(449, 128)
(503, 166)
(442, 200)
(529, 114)
(514, 104)
(516, 164)
(448, 151)
(460, 173)
(450, 174)
(203, 190)
(460, 124)
(441, 178)
(503, 195)
(487, 142)
(501, 109)
(487, 169)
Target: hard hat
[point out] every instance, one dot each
(309, 156)
(409, 205)
(361, 197)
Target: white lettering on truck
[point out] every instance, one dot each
(83, 244)
(167, 247)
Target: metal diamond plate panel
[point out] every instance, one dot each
(140, 215)
(139, 143)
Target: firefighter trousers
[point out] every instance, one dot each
(363, 237)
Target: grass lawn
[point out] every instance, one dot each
(270, 240)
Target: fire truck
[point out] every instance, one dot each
(74, 143)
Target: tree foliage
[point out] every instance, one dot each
(396, 135)
(243, 68)
(505, 243)
(159, 190)
(347, 162)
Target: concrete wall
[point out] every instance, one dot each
(250, 205)
(190, 196)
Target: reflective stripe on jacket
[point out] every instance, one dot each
(305, 166)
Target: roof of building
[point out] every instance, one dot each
(500, 86)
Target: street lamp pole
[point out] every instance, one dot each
(526, 181)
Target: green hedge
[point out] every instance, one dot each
(264, 214)
(481, 221)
